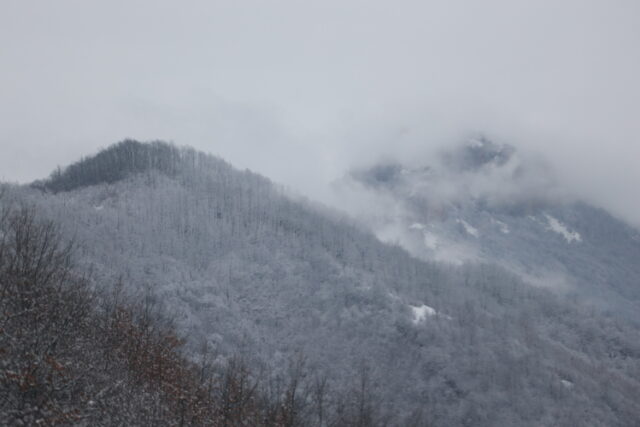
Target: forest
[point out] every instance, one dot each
(73, 357)
(155, 285)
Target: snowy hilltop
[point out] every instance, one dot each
(397, 336)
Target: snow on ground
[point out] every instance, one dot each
(393, 296)
(560, 228)
(567, 384)
(504, 228)
(468, 228)
(420, 313)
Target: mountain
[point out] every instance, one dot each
(244, 267)
(484, 202)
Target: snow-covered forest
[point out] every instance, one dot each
(195, 293)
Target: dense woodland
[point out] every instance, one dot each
(291, 314)
(127, 158)
(70, 356)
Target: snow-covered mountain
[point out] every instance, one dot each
(484, 202)
(244, 267)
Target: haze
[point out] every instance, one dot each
(302, 91)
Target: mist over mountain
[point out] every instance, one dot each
(484, 202)
(244, 267)
(410, 213)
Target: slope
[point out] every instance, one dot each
(244, 267)
(485, 202)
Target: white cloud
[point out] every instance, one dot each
(300, 91)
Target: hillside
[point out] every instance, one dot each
(484, 202)
(244, 268)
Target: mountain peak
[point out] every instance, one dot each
(380, 175)
(477, 153)
(476, 168)
(119, 161)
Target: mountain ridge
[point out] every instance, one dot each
(501, 212)
(241, 265)
(123, 159)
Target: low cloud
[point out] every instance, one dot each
(305, 92)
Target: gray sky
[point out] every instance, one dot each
(302, 90)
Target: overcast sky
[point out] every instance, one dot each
(301, 90)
